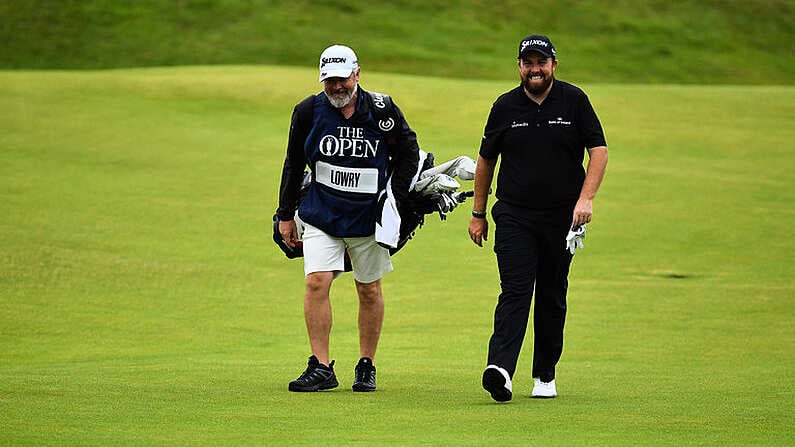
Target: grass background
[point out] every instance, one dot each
(143, 303)
(686, 41)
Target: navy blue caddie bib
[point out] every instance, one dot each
(349, 162)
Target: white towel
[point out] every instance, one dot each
(387, 228)
(423, 156)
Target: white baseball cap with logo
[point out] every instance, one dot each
(337, 61)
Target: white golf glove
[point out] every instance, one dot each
(574, 238)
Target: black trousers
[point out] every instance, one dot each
(530, 248)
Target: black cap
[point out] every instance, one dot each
(539, 44)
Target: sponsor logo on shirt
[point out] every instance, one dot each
(560, 121)
(515, 125)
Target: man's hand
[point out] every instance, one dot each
(478, 230)
(583, 212)
(289, 232)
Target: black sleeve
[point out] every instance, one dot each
(591, 133)
(295, 161)
(489, 144)
(405, 157)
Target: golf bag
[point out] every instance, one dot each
(434, 192)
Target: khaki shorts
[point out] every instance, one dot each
(324, 253)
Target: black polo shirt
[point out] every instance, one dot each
(542, 146)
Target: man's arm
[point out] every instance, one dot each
(293, 171)
(484, 173)
(597, 162)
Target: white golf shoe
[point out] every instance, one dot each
(497, 382)
(544, 389)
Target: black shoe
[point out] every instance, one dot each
(317, 377)
(365, 375)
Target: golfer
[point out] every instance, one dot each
(336, 134)
(541, 129)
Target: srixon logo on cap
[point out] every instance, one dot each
(333, 60)
(527, 43)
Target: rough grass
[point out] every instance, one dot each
(627, 41)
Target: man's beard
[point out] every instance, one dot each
(535, 88)
(340, 99)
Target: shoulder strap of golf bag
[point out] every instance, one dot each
(383, 110)
(305, 109)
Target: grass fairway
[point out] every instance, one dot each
(142, 301)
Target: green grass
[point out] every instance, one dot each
(635, 41)
(143, 303)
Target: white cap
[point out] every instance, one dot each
(337, 61)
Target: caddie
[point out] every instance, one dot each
(340, 135)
